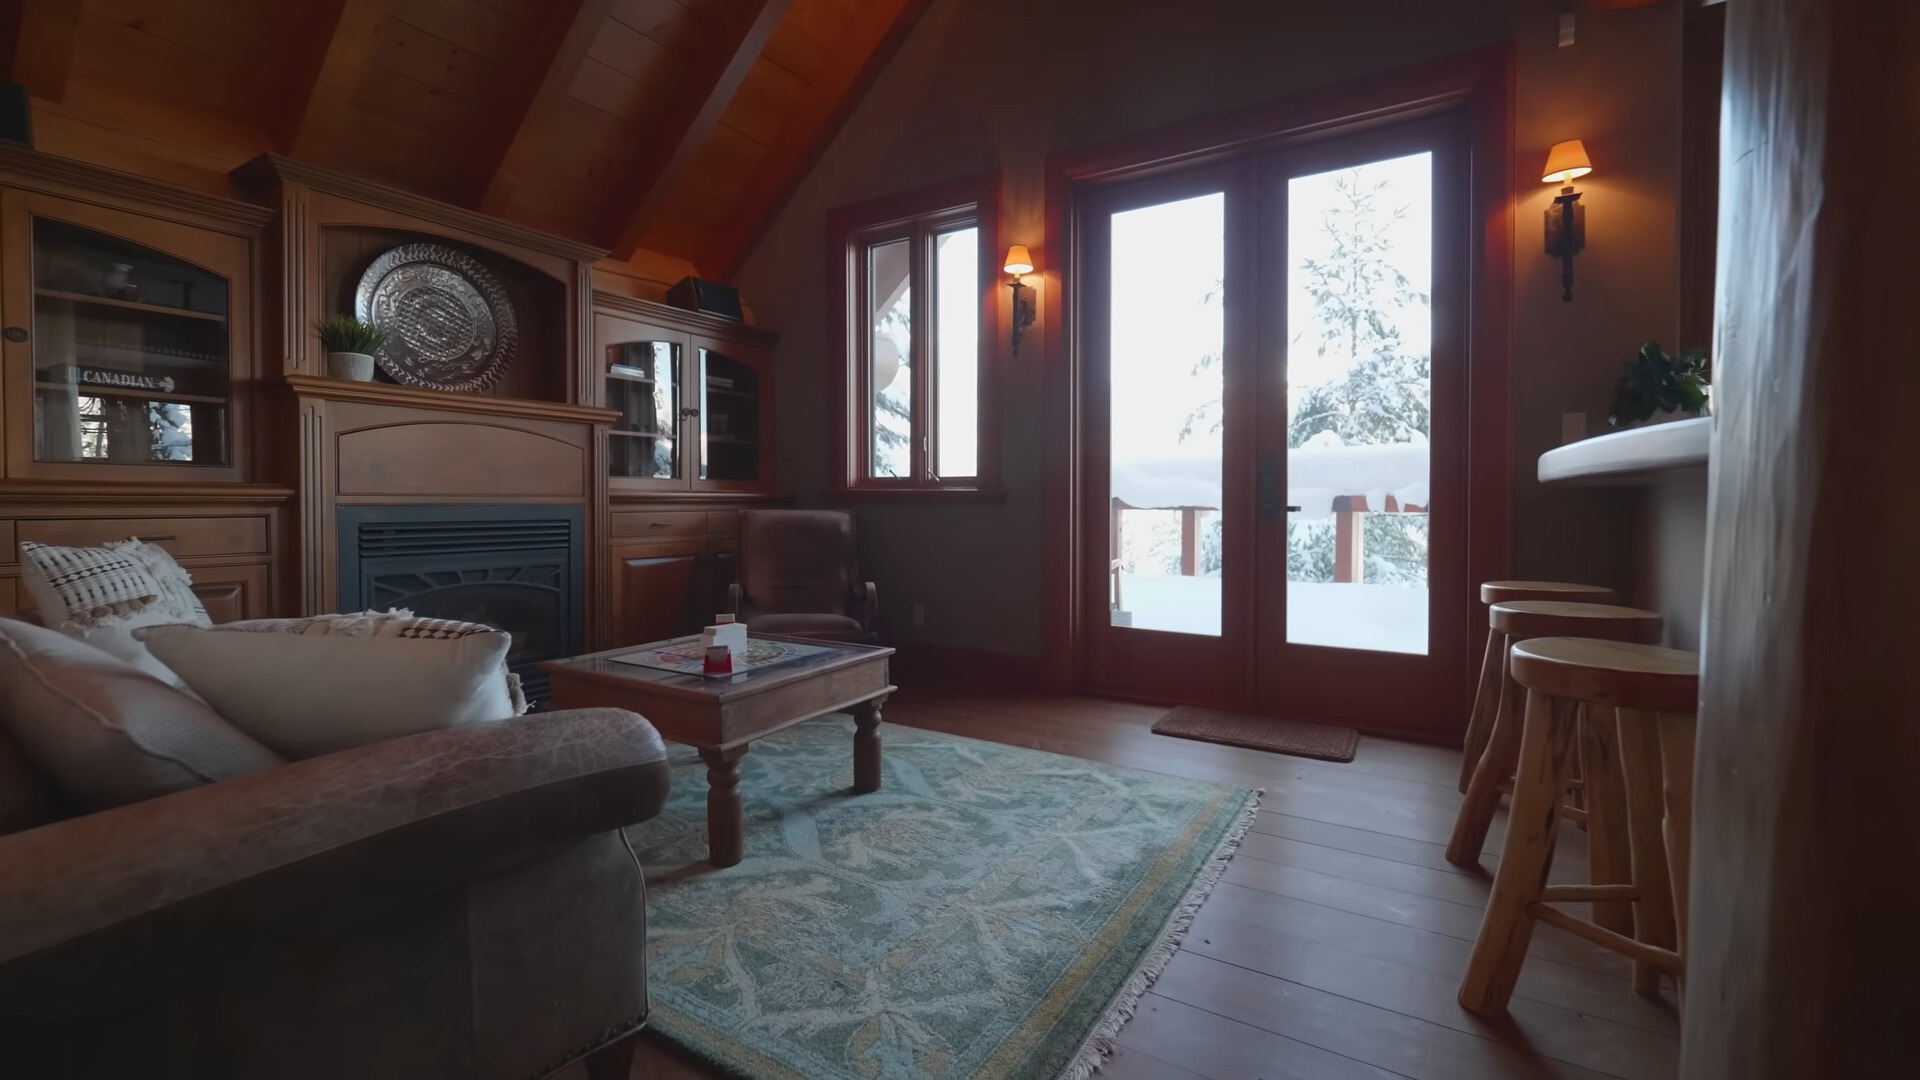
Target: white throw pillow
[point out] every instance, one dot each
(307, 687)
(101, 595)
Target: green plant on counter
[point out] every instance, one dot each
(1657, 381)
(344, 333)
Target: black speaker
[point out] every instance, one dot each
(14, 116)
(706, 296)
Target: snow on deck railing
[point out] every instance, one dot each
(1317, 476)
(1324, 479)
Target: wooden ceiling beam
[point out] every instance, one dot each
(314, 113)
(38, 45)
(779, 176)
(688, 120)
(566, 36)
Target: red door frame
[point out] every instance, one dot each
(1481, 84)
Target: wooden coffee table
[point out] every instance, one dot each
(721, 716)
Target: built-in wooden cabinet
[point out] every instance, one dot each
(694, 398)
(159, 378)
(691, 445)
(231, 539)
(129, 338)
(669, 571)
(129, 379)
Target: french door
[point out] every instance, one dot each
(1275, 439)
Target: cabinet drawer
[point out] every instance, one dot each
(644, 525)
(182, 537)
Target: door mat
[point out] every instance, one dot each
(1281, 736)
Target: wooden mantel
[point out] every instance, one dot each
(316, 386)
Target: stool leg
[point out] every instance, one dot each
(1653, 912)
(1506, 929)
(1609, 854)
(1676, 752)
(1486, 702)
(1489, 772)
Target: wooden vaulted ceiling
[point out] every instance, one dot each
(651, 127)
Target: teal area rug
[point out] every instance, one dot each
(992, 911)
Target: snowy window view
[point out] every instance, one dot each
(167, 428)
(1358, 284)
(952, 356)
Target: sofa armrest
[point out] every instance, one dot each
(327, 839)
(866, 603)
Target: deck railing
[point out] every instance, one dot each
(1349, 538)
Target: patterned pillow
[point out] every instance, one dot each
(100, 595)
(313, 686)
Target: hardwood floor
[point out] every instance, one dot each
(1333, 945)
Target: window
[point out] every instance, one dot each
(915, 322)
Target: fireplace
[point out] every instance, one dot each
(514, 567)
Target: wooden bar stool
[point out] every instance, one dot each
(1486, 699)
(1653, 692)
(1605, 813)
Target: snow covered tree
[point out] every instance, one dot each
(893, 419)
(1384, 396)
(1358, 295)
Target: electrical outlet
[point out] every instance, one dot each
(1573, 427)
(919, 614)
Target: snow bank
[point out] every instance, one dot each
(1317, 474)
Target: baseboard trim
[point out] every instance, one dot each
(915, 663)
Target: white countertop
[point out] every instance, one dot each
(1634, 456)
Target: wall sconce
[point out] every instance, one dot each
(1020, 262)
(1567, 220)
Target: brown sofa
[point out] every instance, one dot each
(797, 576)
(460, 903)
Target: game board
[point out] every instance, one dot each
(684, 656)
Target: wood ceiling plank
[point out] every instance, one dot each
(38, 45)
(165, 68)
(475, 27)
(635, 55)
(570, 34)
(319, 98)
(600, 87)
(677, 27)
(787, 164)
(688, 121)
(766, 103)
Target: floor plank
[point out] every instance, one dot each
(1221, 1048)
(1234, 915)
(1404, 1044)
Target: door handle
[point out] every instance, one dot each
(1267, 489)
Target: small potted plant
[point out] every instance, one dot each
(1656, 381)
(350, 345)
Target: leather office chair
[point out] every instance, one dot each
(797, 576)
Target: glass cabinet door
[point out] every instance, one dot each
(130, 357)
(729, 418)
(643, 386)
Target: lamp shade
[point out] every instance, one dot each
(1018, 260)
(1565, 162)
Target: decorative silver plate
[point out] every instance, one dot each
(449, 325)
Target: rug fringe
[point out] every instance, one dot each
(1099, 1043)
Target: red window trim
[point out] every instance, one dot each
(914, 215)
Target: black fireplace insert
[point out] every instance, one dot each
(514, 567)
